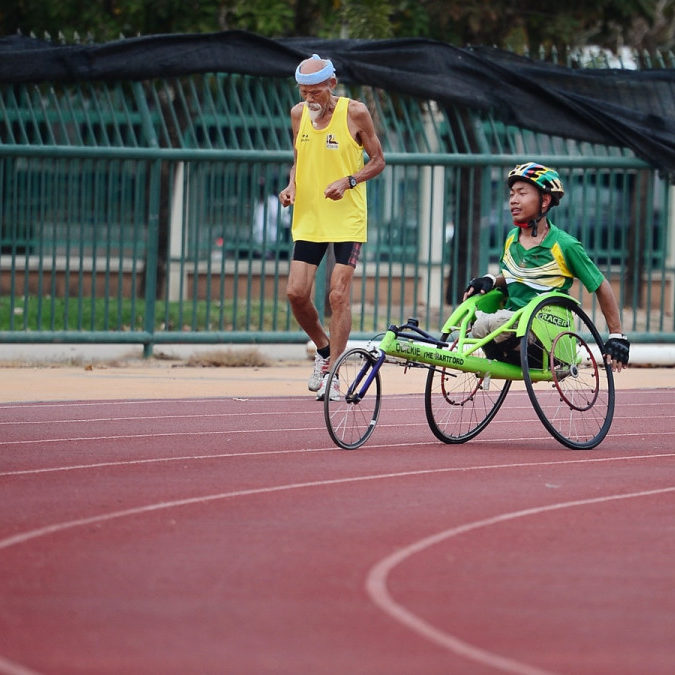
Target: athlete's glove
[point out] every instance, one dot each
(618, 348)
(481, 284)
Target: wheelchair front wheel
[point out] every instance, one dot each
(458, 404)
(575, 399)
(351, 417)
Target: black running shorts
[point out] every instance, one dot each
(312, 252)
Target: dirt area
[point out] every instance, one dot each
(160, 379)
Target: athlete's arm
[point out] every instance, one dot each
(287, 195)
(610, 310)
(609, 306)
(362, 129)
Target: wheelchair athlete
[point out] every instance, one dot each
(539, 257)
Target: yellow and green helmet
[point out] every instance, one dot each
(542, 177)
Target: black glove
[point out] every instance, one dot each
(481, 284)
(618, 348)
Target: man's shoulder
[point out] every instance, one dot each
(511, 236)
(563, 236)
(356, 108)
(355, 103)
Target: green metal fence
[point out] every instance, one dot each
(146, 213)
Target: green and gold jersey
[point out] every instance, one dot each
(553, 265)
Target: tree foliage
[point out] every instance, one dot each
(515, 25)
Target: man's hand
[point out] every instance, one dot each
(479, 285)
(287, 195)
(617, 350)
(336, 190)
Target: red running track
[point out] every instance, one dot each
(231, 536)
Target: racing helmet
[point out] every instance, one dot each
(542, 177)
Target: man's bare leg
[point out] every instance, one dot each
(299, 292)
(340, 304)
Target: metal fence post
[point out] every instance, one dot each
(151, 260)
(152, 249)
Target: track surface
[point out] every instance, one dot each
(230, 536)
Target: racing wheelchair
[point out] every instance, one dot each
(557, 353)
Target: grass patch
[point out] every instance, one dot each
(45, 313)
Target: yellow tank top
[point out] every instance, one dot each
(324, 156)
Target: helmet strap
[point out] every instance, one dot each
(535, 221)
(534, 224)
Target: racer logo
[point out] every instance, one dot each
(559, 321)
(331, 142)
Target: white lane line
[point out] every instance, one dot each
(197, 416)
(231, 455)
(376, 583)
(23, 537)
(81, 522)
(8, 667)
(176, 434)
(179, 434)
(260, 400)
(306, 411)
(25, 405)
(184, 458)
(225, 415)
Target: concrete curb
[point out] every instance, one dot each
(661, 354)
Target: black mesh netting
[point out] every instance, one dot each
(635, 109)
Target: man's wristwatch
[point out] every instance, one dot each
(352, 182)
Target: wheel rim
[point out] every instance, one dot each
(460, 404)
(575, 401)
(578, 387)
(450, 396)
(352, 419)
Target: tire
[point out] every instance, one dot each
(352, 419)
(459, 405)
(569, 384)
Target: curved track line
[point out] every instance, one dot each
(10, 668)
(227, 455)
(376, 583)
(157, 460)
(405, 617)
(29, 535)
(199, 416)
(175, 434)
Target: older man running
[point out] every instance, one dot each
(326, 186)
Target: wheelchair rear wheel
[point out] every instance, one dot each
(569, 384)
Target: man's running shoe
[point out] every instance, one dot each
(320, 369)
(334, 389)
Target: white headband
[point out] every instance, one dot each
(315, 78)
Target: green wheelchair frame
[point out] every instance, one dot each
(558, 354)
